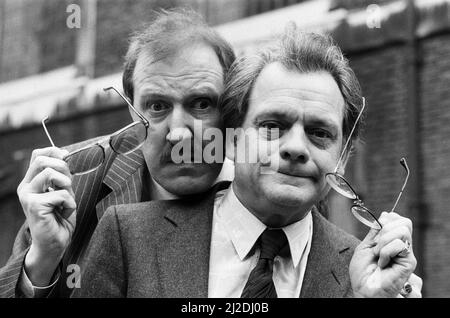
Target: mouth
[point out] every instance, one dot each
(167, 159)
(296, 174)
(182, 158)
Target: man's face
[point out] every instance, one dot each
(289, 175)
(172, 93)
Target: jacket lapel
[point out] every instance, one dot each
(326, 272)
(183, 255)
(124, 180)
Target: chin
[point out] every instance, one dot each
(289, 196)
(188, 180)
(187, 186)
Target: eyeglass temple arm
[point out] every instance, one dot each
(46, 131)
(129, 104)
(350, 135)
(405, 165)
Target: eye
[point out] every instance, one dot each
(271, 129)
(202, 104)
(270, 125)
(157, 107)
(320, 136)
(321, 133)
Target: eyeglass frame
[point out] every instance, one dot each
(109, 137)
(357, 201)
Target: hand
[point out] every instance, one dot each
(50, 214)
(416, 284)
(377, 269)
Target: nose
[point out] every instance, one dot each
(179, 125)
(294, 147)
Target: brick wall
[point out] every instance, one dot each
(383, 77)
(435, 128)
(34, 37)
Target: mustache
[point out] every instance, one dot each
(187, 153)
(166, 154)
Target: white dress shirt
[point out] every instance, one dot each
(234, 233)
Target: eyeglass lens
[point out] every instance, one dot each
(123, 143)
(340, 185)
(130, 139)
(86, 160)
(365, 216)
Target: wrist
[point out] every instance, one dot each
(40, 266)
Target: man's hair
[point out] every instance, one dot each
(300, 51)
(166, 35)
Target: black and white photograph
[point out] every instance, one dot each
(225, 149)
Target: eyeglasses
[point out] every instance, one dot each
(343, 187)
(119, 142)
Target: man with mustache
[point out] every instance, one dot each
(174, 73)
(262, 236)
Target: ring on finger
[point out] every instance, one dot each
(405, 251)
(406, 290)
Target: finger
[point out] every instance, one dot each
(416, 281)
(42, 162)
(394, 222)
(50, 178)
(386, 217)
(61, 201)
(390, 251)
(401, 232)
(65, 201)
(370, 238)
(414, 293)
(416, 284)
(54, 152)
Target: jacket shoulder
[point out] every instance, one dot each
(140, 218)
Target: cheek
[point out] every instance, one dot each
(325, 161)
(247, 174)
(212, 120)
(155, 142)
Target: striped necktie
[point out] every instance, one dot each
(260, 282)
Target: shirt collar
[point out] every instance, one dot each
(241, 225)
(244, 228)
(298, 234)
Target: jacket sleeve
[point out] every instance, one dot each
(103, 270)
(11, 272)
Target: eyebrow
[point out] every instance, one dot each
(323, 122)
(287, 115)
(157, 94)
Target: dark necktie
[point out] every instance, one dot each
(260, 282)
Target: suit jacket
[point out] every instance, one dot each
(162, 248)
(117, 181)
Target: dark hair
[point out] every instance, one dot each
(169, 31)
(305, 52)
